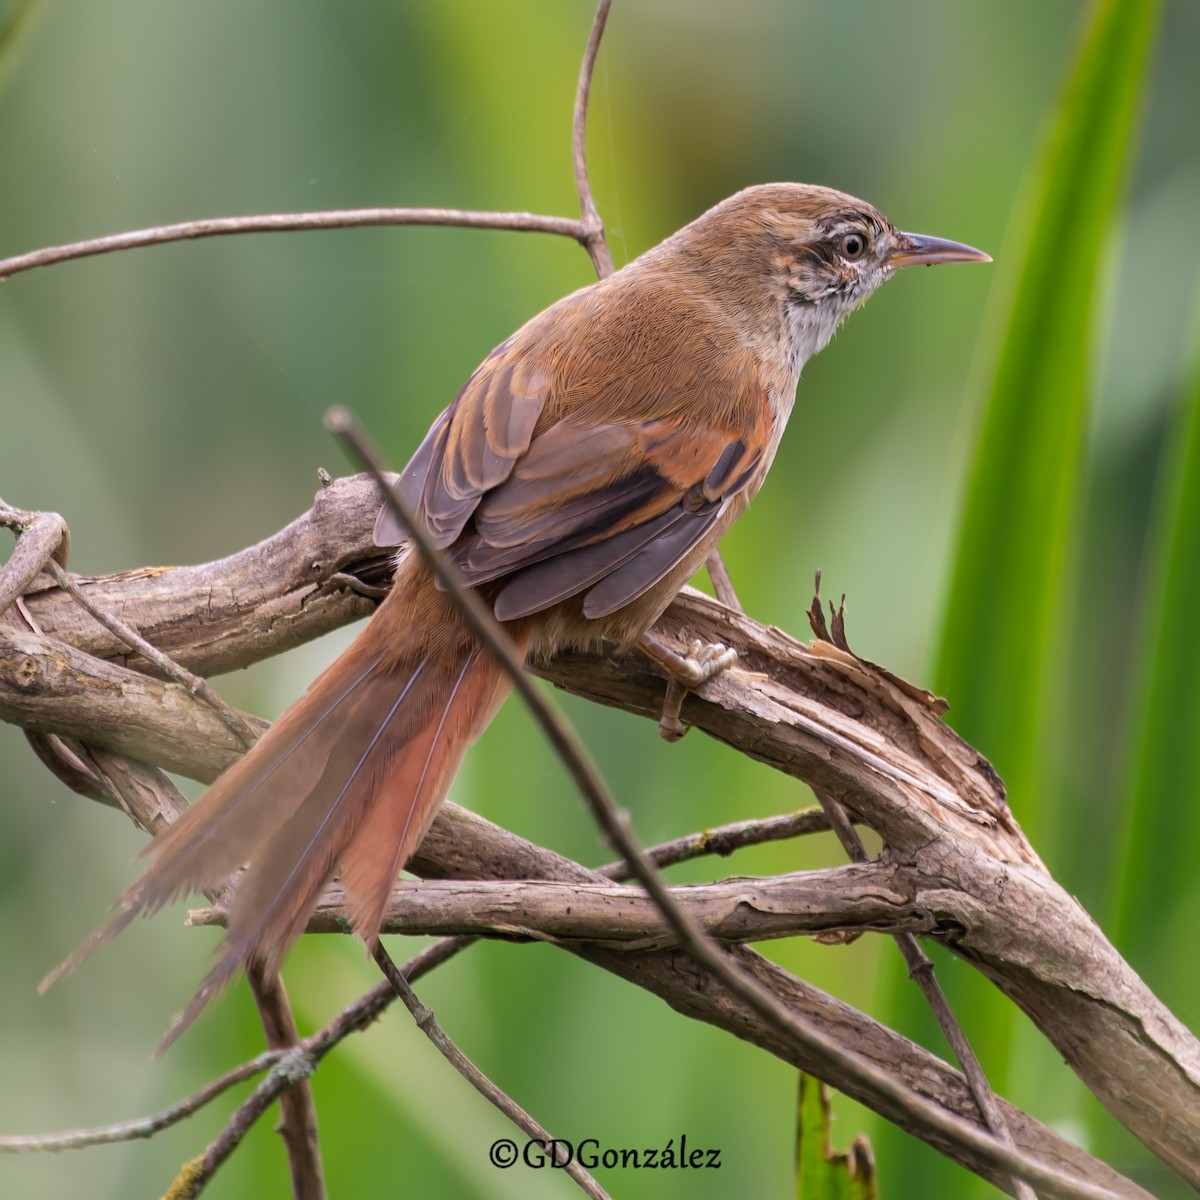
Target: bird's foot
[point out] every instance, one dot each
(702, 661)
(684, 672)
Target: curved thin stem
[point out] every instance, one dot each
(428, 1024)
(593, 236)
(347, 218)
(725, 839)
(290, 1068)
(140, 1127)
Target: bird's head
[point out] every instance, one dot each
(805, 255)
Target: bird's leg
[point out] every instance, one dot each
(718, 574)
(684, 672)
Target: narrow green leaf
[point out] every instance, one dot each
(1015, 558)
(13, 27)
(1158, 900)
(1015, 564)
(823, 1173)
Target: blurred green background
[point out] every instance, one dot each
(167, 402)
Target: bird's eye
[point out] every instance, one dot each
(853, 245)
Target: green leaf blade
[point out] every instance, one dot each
(823, 1173)
(1006, 617)
(1014, 564)
(1156, 901)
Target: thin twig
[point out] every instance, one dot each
(428, 1024)
(588, 231)
(725, 839)
(593, 240)
(297, 1110)
(920, 969)
(140, 1127)
(346, 218)
(300, 1063)
(615, 826)
(167, 665)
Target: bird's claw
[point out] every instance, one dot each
(684, 672)
(704, 660)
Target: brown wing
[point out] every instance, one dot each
(595, 502)
(471, 447)
(605, 510)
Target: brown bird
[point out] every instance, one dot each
(583, 474)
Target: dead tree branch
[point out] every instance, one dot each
(856, 899)
(814, 712)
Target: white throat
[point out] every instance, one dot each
(811, 327)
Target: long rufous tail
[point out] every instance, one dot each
(345, 782)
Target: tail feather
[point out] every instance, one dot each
(208, 843)
(417, 781)
(271, 903)
(288, 870)
(349, 777)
